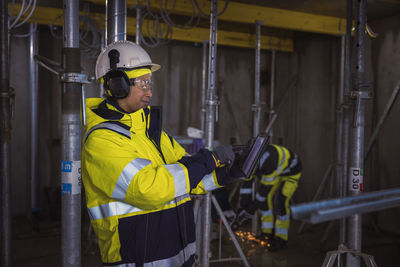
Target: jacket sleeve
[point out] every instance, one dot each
(204, 182)
(113, 171)
(207, 184)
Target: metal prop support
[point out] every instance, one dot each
(211, 105)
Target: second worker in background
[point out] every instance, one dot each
(279, 172)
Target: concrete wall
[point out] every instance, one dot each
(385, 171)
(305, 99)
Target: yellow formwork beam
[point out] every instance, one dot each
(237, 39)
(245, 13)
(47, 15)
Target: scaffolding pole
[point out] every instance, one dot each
(272, 91)
(257, 106)
(203, 86)
(332, 209)
(138, 24)
(346, 115)
(211, 105)
(356, 165)
(5, 137)
(257, 112)
(33, 180)
(70, 141)
(116, 20)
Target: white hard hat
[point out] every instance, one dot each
(131, 56)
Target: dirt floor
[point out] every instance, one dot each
(42, 248)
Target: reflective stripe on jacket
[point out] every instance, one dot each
(137, 193)
(278, 161)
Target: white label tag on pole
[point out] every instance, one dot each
(71, 177)
(356, 179)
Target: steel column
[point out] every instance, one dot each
(5, 137)
(272, 90)
(257, 111)
(339, 131)
(211, 104)
(346, 116)
(203, 86)
(256, 105)
(70, 142)
(116, 20)
(356, 164)
(33, 181)
(138, 25)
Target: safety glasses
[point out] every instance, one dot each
(143, 84)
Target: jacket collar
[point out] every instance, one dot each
(147, 120)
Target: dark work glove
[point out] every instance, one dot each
(235, 172)
(198, 166)
(224, 155)
(226, 175)
(223, 176)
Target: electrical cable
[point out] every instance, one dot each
(205, 14)
(30, 14)
(52, 27)
(166, 16)
(88, 31)
(26, 34)
(18, 16)
(159, 33)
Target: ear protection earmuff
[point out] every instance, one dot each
(116, 82)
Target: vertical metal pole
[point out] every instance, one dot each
(346, 116)
(339, 130)
(70, 142)
(257, 110)
(256, 105)
(138, 24)
(33, 182)
(272, 91)
(5, 138)
(357, 135)
(209, 133)
(203, 86)
(103, 44)
(116, 20)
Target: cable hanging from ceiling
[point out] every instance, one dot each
(89, 34)
(206, 14)
(157, 33)
(14, 21)
(158, 27)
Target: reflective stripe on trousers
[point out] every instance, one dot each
(282, 226)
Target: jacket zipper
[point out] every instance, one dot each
(158, 148)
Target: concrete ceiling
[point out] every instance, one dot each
(282, 20)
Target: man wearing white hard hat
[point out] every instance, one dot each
(137, 178)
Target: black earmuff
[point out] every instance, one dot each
(116, 82)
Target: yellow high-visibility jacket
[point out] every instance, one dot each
(136, 191)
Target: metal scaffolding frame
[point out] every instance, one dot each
(5, 137)
(116, 30)
(115, 20)
(356, 151)
(211, 105)
(33, 185)
(71, 139)
(332, 209)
